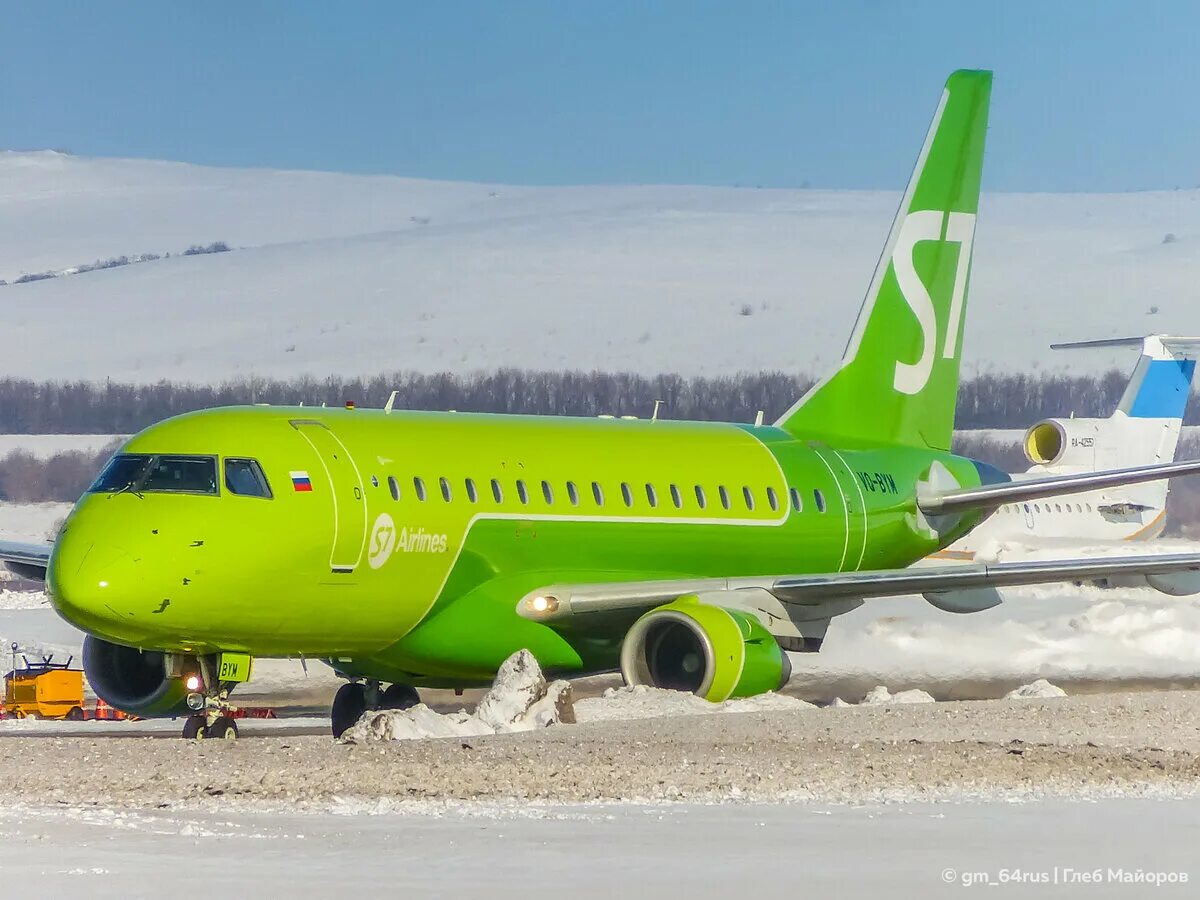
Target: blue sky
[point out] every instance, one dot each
(1088, 96)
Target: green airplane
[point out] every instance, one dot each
(421, 549)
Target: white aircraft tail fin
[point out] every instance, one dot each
(1144, 429)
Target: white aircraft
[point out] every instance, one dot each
(1144, 429)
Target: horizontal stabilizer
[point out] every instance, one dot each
(1175, 344)
(989, 495)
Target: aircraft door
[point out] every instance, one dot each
(850, 497)
(346, 489)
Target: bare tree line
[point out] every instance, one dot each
(984, 401)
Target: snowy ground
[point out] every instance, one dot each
(46, 445)
(358, 274)
(30, 522)
(519, 850)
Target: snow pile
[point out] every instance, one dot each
(644, 702)
(520, 700)
(880, 695)
(1039, 689)
(1075, 637)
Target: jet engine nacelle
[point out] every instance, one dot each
(1063, 442)
(710, 651)
(132, 680)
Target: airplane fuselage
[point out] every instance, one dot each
(397, 544)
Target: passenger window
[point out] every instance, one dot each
(651, 496)
(547, 492)
(572, 493)
(522, 494)
(394, 487)
(675, 497)
(701, 500)
(724, 495)
(797, 505)
(1026, 507)
(772, 500)
(748, 496)
(245, 477)
(597, 493)
(445, 489)
(419, 487)
(497, 491)
(1037, 508)
(472, 494)
(626, 493)
(819, 499)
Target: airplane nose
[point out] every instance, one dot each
(94, 586)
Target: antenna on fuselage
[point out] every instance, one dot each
(387, 407)
(657, 404)
(758, 419)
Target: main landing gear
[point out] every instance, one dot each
(355, 698)
(211, 718)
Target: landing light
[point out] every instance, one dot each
(543, 605)
(192, 683)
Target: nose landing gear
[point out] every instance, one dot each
(355, 698)
(212, 717)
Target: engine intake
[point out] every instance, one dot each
(1045, 442)
(710, 651)
(132, 680)
(1067, 442)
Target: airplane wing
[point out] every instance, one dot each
(960, 588)
(26, 560)
(943, 502)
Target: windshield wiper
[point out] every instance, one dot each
(129, 487)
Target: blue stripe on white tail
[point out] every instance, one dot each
(1162, 380)
(1164, 389)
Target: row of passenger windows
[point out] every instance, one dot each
(676, 496)
(1022, 508)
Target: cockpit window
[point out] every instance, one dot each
(123, 472)
(141, 472)
(245, 477)
(181, 475)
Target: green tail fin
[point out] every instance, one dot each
(898, 379)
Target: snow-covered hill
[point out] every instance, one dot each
(358, 274)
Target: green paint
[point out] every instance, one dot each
(899, 376)
(422, 589)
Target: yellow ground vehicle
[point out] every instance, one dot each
(44, 690)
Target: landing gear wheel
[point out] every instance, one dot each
(349, 703)
(400, 696)
(195, 728)
(75, 714)
(223, 728)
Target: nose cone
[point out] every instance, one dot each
(95, 586)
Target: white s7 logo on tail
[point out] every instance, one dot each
(918, 227)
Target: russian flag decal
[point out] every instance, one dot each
(301, 481)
